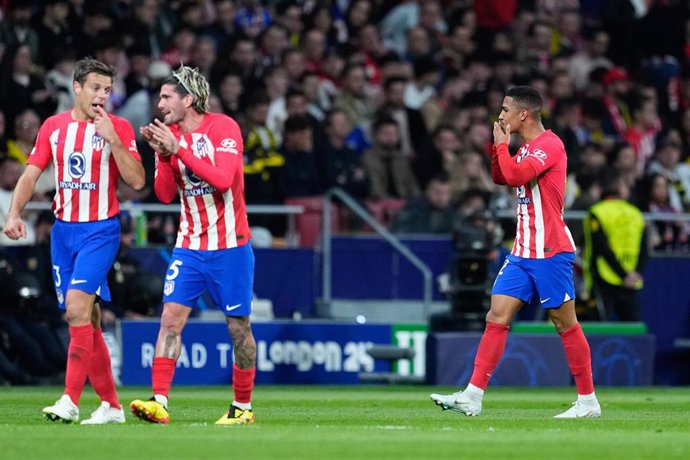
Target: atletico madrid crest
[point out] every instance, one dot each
(97, 142)
(169, 287)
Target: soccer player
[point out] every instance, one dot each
(540, 266)
(90, 150)
(199, 158)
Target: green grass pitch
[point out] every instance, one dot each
(358, 422)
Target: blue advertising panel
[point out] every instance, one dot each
(529, 360)
(539, 360)
(287, 352)
(622, 360)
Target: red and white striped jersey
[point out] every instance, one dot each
(86, 174)
(541, 231)
(208, 174)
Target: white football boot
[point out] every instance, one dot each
(63, 410)
(462, 401)
(105, 415)
(582, 409)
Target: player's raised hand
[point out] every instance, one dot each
(147, 135)
(164, 141)
(104, 126)
(501, 134)
(15, 228)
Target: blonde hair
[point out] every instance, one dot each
(190, 81)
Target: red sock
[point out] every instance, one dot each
(489, 353)
(78, 360)
(162, 374)
(100, 371)
(578, 356)
(243, 383)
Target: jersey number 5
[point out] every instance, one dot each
(174, 270)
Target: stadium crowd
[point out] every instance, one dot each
(391, 100)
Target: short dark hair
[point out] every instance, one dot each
(349, 68)
(106, 42)
(593, 146)
(383, 120)
(390, 81)
(294, 92)
(527, 97)
(259, 97)
(611, 182)
(474, 192)
(616, 150)
(390, 57)
(444, 127)
(424, 65)
(328, 120)
(83, 67)
(296, 123)
(563, 105)
(442, 177)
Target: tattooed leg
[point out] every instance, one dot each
(173, 320)
(243, 341)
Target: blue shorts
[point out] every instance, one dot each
(82, 254)
(547, 283)
(227, 274)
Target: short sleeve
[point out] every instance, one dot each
(42, 152)
(126, 133)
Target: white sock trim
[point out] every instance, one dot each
(474, 390)
(161, 399)
(243, 406)
(587, 398)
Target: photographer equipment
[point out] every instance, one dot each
(470, 275)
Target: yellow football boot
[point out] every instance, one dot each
(237, 416)
(151, 411)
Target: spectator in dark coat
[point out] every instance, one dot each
(390, 171)
(340, 165)
(431, 212)
(302, 176)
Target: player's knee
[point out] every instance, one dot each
(172, 323)
(563, 318)
(77, 315)
(493, 317)
(238, 322)
(239, 326)
(562, 326)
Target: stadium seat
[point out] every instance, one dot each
(309, 222)
(385, 210)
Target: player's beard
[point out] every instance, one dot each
(172, 118)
